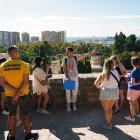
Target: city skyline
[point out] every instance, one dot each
(78, 18)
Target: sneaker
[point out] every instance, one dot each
(32, 136)
(10, 138)
(4, 112)
(31, 124)
(38, 110)
(138, 115)
(108, 127)
(68, 107)
(128, 118)
(74, 107)
(18, 123)
(45, 112)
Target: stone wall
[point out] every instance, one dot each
(87, 94)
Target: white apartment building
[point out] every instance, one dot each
(34, 39)
(53, 36)
(5, 38)
(15, 38)
(62, 36)
(25, 38)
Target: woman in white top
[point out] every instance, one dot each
(109, 91)
(40, 85)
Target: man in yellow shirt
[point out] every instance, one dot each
(14, 77)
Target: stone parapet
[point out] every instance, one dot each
(87, 94)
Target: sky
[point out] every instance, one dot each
(79, 18)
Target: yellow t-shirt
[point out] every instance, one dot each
(13, 71)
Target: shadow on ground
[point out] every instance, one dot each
(83, 124)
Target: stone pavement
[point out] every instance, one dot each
(83, 124)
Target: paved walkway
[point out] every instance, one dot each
(83, 124)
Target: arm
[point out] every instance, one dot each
(21, 88)
(6, 85)
(42, 82)
(133, 82)
(65, 72)
(82, 56)
(98, 81)
(123, 70)
(23, 85)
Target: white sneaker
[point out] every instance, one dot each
(18, 123)
(74, 107)
(138, 115)
(45, 112)
(129, 118)
(37, 110)
(4, 112)
(68, 107)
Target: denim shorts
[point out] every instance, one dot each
(109, 94)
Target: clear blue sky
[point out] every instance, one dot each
(85, 18)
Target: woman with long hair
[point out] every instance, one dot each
(40, 86)
(123, 84)
(109, 91)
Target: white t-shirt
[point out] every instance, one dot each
(111, 83)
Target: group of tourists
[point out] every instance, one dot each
(14, 80)
(112, 84)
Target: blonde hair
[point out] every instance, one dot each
(107, 68)
(115, 58)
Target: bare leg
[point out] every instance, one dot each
(121, 98)
(116, 106)
(38, 101)
(108, 112)
(26, 124)
(137, 106)
(11, 125)
(112, 102)
(45, 102)
(18, 114)
(132, 108)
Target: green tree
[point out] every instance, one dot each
(119, 42)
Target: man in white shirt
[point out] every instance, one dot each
(69, 64)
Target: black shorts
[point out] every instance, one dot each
(1, 89)
(23, 103)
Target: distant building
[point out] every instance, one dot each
(25, 38)
(53, 36)
(15, 37)
(5, 38)
(62, 36)
(34, 39)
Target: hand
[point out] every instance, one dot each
(49, 75)
(15, 99)
(69, 79)
(93, 52)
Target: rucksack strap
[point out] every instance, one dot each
(66, 59)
